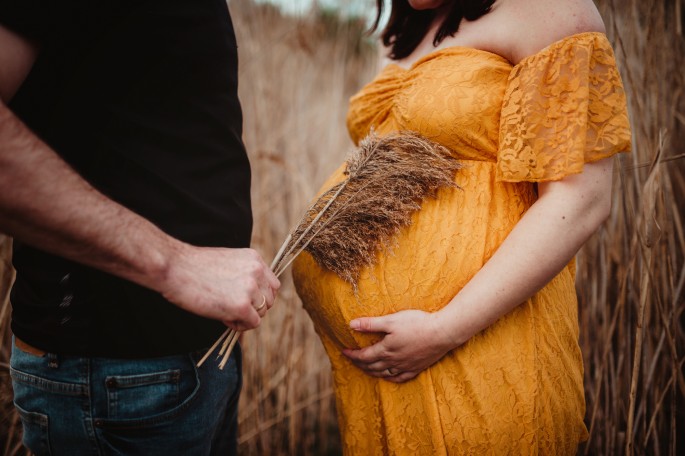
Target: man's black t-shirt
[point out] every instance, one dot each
(140, 97)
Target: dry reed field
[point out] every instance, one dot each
(297, 74)
(631, 275)
(296, 77)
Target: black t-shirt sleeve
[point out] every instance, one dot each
(29, 18)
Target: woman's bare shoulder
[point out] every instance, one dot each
(535, 24)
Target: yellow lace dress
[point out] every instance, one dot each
(516, 387)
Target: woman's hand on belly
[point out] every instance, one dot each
(412, 341)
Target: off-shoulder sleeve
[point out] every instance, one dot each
(563, 107)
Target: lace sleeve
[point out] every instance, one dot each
(563, 107)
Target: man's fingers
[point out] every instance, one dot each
(273, 281)
(240, 325)
(261, 311)
(268, 285)
(236, 326)
(248, 318)
(253, 319)
(268, 297)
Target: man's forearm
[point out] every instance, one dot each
(45, 203)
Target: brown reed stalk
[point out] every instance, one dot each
(631, 275)
(386, 181)
(648, 236)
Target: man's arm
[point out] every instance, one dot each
(45, 203)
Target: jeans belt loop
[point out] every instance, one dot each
(53, 361)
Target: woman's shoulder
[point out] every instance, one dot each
(535, 24)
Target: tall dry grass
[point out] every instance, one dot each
(631, 275)
(296, 77)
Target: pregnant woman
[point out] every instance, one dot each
(463, 337)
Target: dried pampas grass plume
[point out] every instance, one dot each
(348, 225)
(387, 180)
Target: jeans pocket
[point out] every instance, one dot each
(141, 395)
(36, 433)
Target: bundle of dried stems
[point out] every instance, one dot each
(386, 181)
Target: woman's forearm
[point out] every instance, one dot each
(547, 237)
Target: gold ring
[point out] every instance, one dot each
(261, 306)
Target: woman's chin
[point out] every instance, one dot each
(426, 4)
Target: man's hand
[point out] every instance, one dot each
(231, 285)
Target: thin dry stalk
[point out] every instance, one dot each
(648, 238)
(297, 407)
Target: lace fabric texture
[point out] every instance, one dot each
(562, 108)
(516, 387)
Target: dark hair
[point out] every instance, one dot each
(407, 26)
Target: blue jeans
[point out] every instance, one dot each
(100, 406)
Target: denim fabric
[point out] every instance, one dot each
(100, 406)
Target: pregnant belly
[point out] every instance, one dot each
(428, 262)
